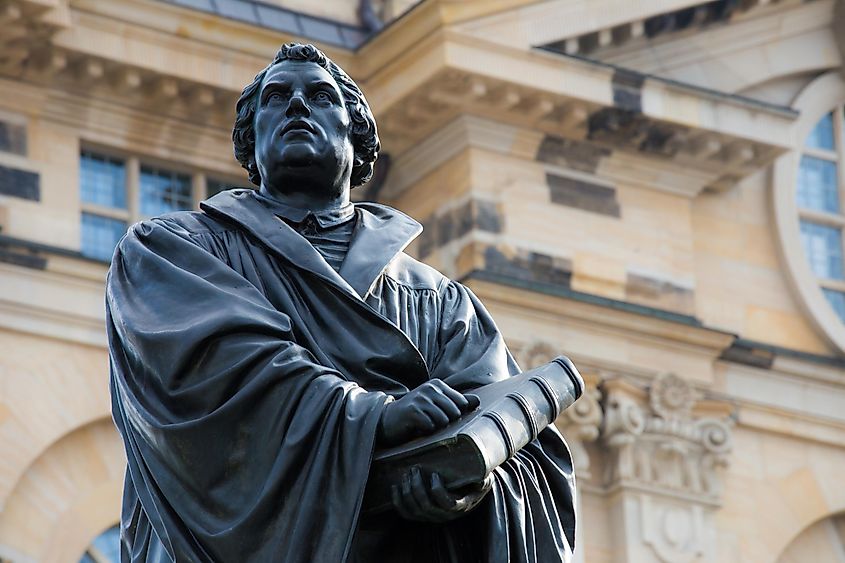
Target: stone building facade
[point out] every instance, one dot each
(653, 188)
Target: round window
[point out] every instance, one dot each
(809, 205)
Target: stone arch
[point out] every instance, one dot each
(823, 540)
(49, 389)
(797, 501)
(66, 497)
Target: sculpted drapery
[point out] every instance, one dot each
(248, 380)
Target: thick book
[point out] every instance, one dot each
(511, 414)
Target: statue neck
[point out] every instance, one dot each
(313, 201)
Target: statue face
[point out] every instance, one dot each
(302, 128)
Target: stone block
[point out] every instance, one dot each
(583, 195)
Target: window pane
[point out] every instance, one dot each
(102, 180)
(817, 185)
(823, 246)
(105, 548)
(100, 235)
(163, 191)
(837, 301)
(821, 137)
(107, 545)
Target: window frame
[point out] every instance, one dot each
(824, 95)
(132, 177)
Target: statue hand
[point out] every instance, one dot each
(427, 500)
(422, 411)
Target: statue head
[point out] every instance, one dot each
(304, 112)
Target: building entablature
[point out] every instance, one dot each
(151, 56)
(669, 125)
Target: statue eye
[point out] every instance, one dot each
(322, 96)
(273, 97)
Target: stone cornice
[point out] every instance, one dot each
(724, 137)
(669, 329)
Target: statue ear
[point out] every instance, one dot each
(252, 171)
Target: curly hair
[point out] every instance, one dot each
(364, 135)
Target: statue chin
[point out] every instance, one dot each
(296, 156)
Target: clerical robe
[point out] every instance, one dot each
(248, 378)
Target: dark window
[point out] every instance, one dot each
(12, 138)
(214, 186)
(20, 183)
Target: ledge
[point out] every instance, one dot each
(557, 290)
(751, 104)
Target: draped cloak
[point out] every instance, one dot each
(248, 378)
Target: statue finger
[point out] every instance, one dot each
(473, 400)
(449, 408)
(399, 503)
(456, 397)
(441, 496)
(424, 423)
(436, 416)
(419, 491)
(409, 500)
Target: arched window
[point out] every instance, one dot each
(819, 200)
(809, 205)
(104, 549)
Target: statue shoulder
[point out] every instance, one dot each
(406, 270)
(184, 222)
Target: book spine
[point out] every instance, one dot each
(525, 412)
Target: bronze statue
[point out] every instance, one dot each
(264, 347)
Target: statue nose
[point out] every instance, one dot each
(297, 106)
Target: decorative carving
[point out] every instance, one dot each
(674, 531)
(656, 441)
(665, 461)
(671, 397)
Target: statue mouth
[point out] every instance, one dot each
(298, 125)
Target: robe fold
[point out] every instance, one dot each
(248, 378)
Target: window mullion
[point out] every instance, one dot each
(822, 153)
(837, 285)
(133, 187)
(822, 217)
(840, 175)
(104, 211)
(197, 188)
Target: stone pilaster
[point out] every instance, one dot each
(663, 468)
